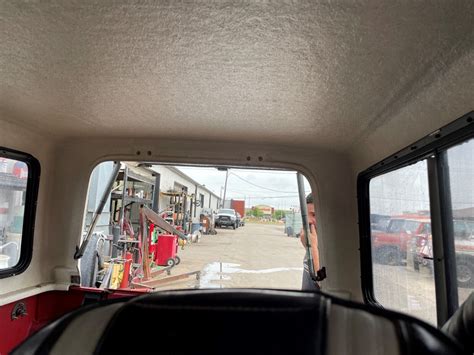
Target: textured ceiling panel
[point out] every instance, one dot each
(325, 72)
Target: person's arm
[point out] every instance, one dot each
(313, 237)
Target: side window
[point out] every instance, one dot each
(460, 229)
(461, 176)
(18, 189)
(413, 226)
(426, 229)
(470, 225)
(402, 275)
(423, 262)
(396, 225)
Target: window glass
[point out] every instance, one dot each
(413, 226)
(426, 228)
(13, 181)
(402, 272)
(396, 225)
(461, 175)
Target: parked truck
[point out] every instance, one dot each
(390, 246)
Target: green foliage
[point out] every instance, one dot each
(279, 214)
(256, 212)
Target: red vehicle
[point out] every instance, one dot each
(464, 247)
(390, 246)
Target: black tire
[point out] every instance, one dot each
(170, 262)
(416, 264)
(233, 226)
(177, 260)
(390, 256)
(465, 272)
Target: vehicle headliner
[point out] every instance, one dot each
(334, 74)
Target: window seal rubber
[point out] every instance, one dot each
(447, 136)
(31, 198)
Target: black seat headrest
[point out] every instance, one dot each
(461, 325)
(241, 322)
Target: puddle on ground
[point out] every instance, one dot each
(215, 272)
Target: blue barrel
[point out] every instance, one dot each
(195, 227)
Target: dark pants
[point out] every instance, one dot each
(308, 283)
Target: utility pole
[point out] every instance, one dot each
(225, 186)
(220, 197)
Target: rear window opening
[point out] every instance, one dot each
(205, 227)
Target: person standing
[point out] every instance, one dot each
(308, 284)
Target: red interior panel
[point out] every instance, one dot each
(44, 308)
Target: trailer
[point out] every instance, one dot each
(293, 224)
(238, 206)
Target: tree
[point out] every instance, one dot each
(256, 212)
(279, 214)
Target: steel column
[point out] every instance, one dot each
(444, 259)
(156, 193)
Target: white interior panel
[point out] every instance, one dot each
(328, 87)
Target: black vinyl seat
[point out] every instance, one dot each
(461, 325)
(235, 321)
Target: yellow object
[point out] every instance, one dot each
(181, 243)
(117, 276)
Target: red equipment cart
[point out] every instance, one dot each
(166, 249)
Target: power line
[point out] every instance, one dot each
(266, 197)
(262, 187)
(258, 171)
(250, 192)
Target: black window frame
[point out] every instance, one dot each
(31, 198)
(431, 148)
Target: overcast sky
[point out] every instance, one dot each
(267, 187)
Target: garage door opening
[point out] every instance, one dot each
(180, 227)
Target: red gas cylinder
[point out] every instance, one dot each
(126, 270)
(166, 249)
